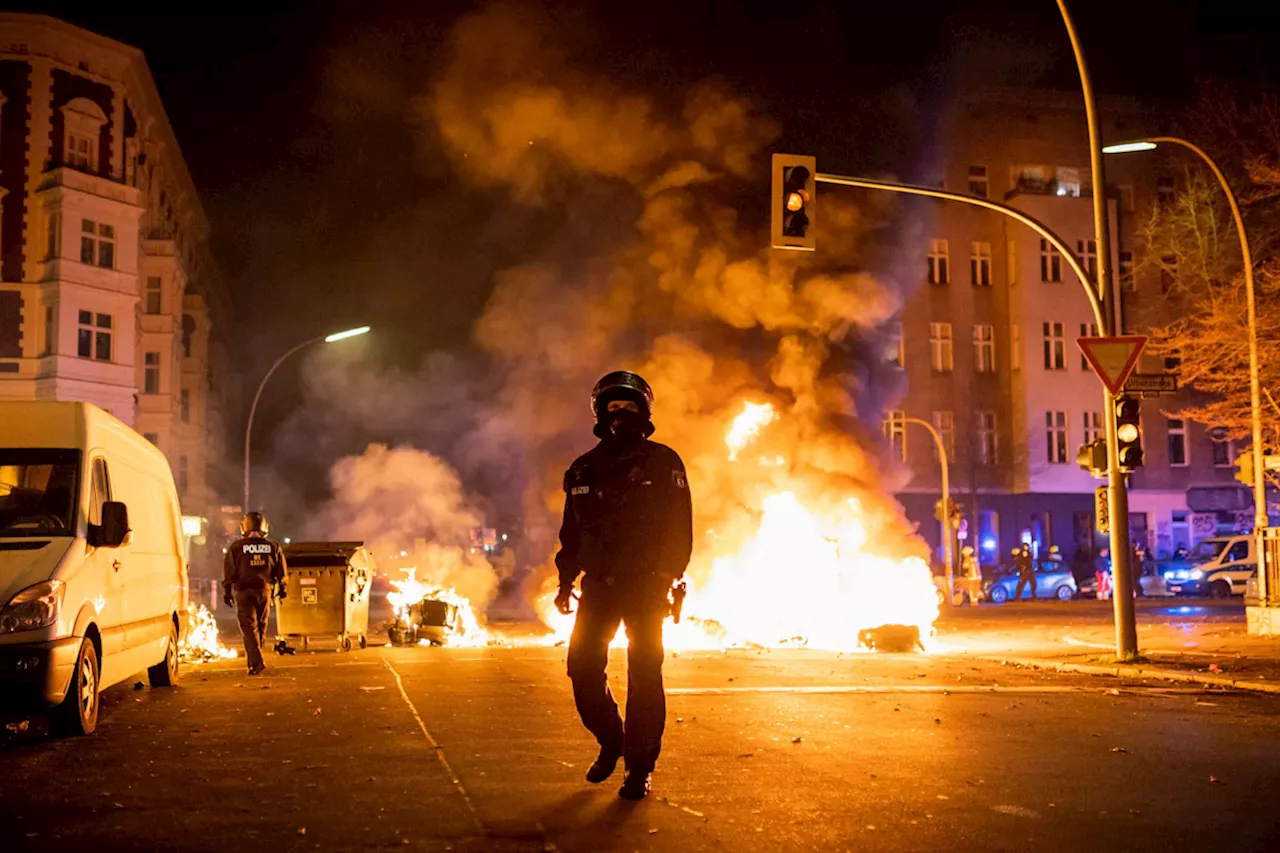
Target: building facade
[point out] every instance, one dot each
(988, 341)
(108, 291)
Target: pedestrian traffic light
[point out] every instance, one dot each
(1129, 432)
(1092, 457)
(793, 203)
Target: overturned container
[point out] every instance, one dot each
(327, 586)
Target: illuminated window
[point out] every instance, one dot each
(97, 243)
(939, 262)
(1177, 442)
(980, 264)
(984, 348)
(941, 354)
(1055, 433)
(895, 348)
(94, 336)
(151, 373)
(1050, 263)
(945, 424)
(895, 429)
(988, 447)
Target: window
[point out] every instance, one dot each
(1015, 347)
(984, 348)
(1238, 553)
(1164, 192)
(1050, 263)
(1055, 349)
(945, 424)
(82, 153)
(151, 373)
(155, 294)
(1126, 198)
(1087, 253)
(55, 235)
(1168, 272)
(184, 406)
(1177, 442)
(1223, 457)
(1055, 436)
(82, 122)
(980, 264)
(94, 336)
(939, 262)
(153, 437)
(941, 356)
(99, 490)
(985, 421)
(1092, 427)
(1126, 271)
(978, 180)
(1087, 330)
(895, 429)
(188, 329)
(97, 243)
(895, 348)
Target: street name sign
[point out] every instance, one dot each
(1151, 383)
(1113, 359)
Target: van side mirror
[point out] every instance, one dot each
(114, 530)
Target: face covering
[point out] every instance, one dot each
(625, 424)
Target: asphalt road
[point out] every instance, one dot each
(479, 749)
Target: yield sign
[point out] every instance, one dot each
(1113, 359)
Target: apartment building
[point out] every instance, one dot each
(988, 341)
(108, 291)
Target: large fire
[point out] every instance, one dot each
(410, 591)
(803, 571)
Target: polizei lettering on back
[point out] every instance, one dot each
(256, 549)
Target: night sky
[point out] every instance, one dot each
(329, 207)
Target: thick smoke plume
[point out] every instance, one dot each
(652, 256)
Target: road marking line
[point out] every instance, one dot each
(439, 750)
(903, 688)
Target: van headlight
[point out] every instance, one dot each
(35, 607)
(1196, 575)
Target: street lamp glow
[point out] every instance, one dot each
(349, 333)
(1126, 147)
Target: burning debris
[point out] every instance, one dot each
(426, 614)
(891, 638)
(201, 644)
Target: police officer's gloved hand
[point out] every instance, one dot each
(280, 592)
(563, 600)
(228, 599)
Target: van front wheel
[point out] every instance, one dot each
(78, 713)
(165, 673)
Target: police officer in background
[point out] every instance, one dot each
(253, 565)
(628, 530)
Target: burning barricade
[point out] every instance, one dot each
(432, 615)
(201, 644)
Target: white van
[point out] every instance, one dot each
(93, 570)
(1219, 567)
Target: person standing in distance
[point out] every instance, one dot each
(253, 565)
(628, 530)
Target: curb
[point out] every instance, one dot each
(1141, 671)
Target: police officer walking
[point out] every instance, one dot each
(253, 565)
(1026, 571)
(628, 530)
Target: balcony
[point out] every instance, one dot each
(67, 178)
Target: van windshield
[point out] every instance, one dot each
(37, 492)
(1207, 550)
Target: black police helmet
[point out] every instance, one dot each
(622, 385)
(254, 522)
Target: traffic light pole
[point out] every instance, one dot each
(1121, 569)
(948, 558)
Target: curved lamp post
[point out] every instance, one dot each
(1260, 519)
(248, 429)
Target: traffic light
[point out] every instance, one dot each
(957, 510)
(1244, 462)
(794, 201)
(1092, 457)
(1129, 432)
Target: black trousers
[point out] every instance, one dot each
(600, 612)
(1025, 580)
(252, 605)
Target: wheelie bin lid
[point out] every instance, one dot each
(304, 555)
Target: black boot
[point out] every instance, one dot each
(606, 762)
(635, 785)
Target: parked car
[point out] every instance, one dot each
(1053, 580)
(1219, 567)
(93, 574)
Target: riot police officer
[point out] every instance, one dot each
(628, 530)
(253, 565)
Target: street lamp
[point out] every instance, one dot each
(248, 429)
(1260, 519)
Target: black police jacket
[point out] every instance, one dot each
(627, 515)
(253, 561)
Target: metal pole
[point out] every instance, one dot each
(1122, 596)
(1012, 212)
(248, 429)
(948, 557)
